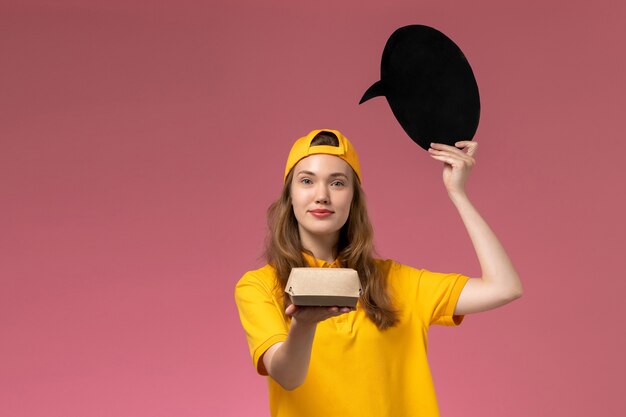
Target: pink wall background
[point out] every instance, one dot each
(141, 142)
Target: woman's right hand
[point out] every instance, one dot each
(313, 315)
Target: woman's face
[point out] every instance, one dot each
(321, 194)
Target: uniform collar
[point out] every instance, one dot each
(320, 263)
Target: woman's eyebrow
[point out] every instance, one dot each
(334, 174)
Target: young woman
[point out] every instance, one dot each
(371, 360)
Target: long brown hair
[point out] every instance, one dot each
(354, 250)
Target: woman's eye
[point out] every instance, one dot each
(338, 184)
(306, 181)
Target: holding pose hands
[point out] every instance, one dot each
(458, 163)
(500, 282)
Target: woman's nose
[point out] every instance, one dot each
(322, 196)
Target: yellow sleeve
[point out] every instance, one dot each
(430, 295)
(438, 294)
(261, 315)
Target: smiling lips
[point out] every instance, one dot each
(321, 213)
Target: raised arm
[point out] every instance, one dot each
(500, 283)
(288, 362)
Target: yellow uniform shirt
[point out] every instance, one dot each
(356, 369)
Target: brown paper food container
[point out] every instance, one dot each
(324, 287)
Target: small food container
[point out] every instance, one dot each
(324, 287)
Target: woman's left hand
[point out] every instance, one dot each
(457, 163)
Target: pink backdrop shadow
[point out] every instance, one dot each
(141, 143)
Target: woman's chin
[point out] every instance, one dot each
(322, 232)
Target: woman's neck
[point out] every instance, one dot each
(323, 247)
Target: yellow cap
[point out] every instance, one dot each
(302, 148)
